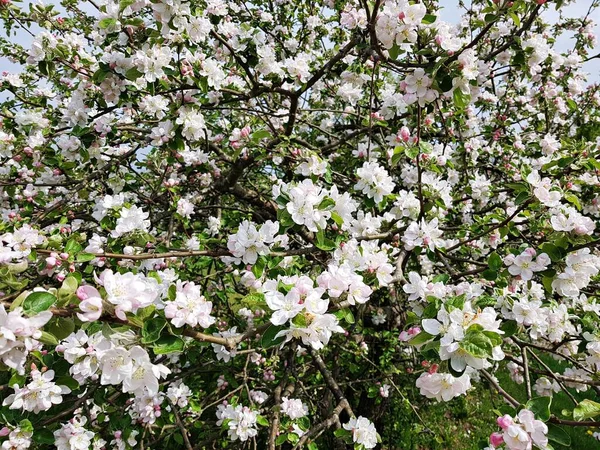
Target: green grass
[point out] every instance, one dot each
(465, 423)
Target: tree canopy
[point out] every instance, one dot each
(263, 224)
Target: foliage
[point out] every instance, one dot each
(285, 224)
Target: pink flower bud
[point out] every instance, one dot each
(413, 331)
(5, 431)
(496, 439)
(245, 132)
(404, 134)
(50, 262)
(504, 422)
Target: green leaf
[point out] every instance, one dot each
(509, 327)
(477, 344)
(558, 435)
(124, 4)
(461, 100)
(555, 253)
(17, 379)
(421, 338)
(337, 219)
(411, 151)
(324, 243)
(25, 425)
(456, 302)
(489, 274)
(522, 197)
(574, 200)
(345, 314)
(547, 283)
(168, 344)
(342, 432)
(540, 406)
(72, 247)
(254, 300)
(441, 278)
(133, 74)
(146, 313)
(515, 19)
(84, 257)
(428, 19)
(43, 436)
(106, 23)
(586, 409)
(327, 203)
(268, 338)
(69, 382)
(258, 135)
(300, 321)
(37, 302)
(48, 339)
(152, 329)
(494, 261)
(69, 286)
(494, 337)
(100, 75)
(484, 301)
(394, 51)
(262, 421)
(60, 327)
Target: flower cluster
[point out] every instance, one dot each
(18, 336)
(296, 300)
(239, 420)
(39, 395)
(249, 242)
(189, 307)
(18, 244)
(95, 355)
(73, 436)
(374, 181)
(520, 432)
(443, 386)
(363, 431)
(468, 336)
(128, 291)
(524, 266)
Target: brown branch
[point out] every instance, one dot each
(182, 428)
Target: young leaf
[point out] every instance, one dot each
(36, 302)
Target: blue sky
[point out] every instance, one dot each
(451, 13)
